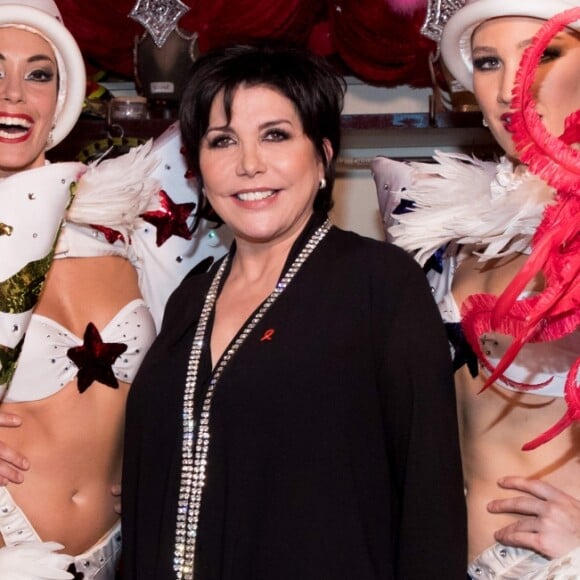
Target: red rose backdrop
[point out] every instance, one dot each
(378, 41)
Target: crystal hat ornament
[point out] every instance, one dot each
(158, 17)
(438, 13)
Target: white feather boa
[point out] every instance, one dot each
(34, 561)
(114, 192)
(468, 201)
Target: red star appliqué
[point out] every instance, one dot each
(171, 219)
(95, 359)
(110, 234)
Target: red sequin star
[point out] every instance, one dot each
(95, 359)
(110, 234)
(171, 219)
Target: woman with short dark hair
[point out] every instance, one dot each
(296, 417)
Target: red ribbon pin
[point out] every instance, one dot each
(267, 335)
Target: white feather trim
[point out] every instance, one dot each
(114, 192)
(469, 201)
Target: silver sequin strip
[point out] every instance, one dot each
(195, 450)
(438, 13)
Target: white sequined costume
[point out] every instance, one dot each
(140, 206)
(442, 212)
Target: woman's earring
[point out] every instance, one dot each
(484, 122)
(322, 183)
(50, 138)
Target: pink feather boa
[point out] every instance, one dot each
(555, 311)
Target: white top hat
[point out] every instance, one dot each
(456, 38)
(43, 18)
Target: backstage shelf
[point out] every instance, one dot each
(400, 130)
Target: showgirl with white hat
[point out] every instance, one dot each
(89, 257)
(500, 247)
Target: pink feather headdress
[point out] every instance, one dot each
(554, 312)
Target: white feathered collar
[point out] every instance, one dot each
(114, 192)
(464, 200)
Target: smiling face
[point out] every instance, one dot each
(497, 47)
(260, 171)
(28, 95)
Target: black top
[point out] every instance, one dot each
(334, 450)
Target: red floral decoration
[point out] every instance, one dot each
(377, 40)
(381, 46)
(223, 22)
(104, 33)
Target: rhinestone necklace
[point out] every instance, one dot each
(195, 449)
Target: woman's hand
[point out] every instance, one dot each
(549, 520)
(12, 463)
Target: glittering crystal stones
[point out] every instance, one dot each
(158, 17)
(438, 13)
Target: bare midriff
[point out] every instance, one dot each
(74, 440)
(496, 423)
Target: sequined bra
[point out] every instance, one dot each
(537, 363)
(44, 366)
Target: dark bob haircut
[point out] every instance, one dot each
(308, 81)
